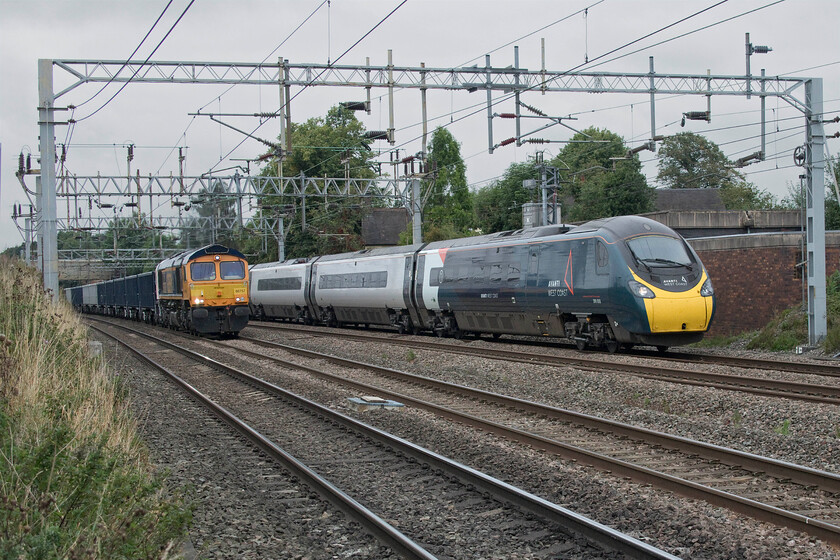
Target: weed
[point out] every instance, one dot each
(410, 356)
(783, 429)
(737, 419)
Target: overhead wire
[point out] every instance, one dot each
(313, 80)
(283, 42)
(505, 97)
(142, 65)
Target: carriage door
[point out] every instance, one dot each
(532, 288)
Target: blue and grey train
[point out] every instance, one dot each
(609, 283)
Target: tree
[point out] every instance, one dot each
(498, 206)
(333, 146)
(742, 195)
(688, 160)
(601, 182)
(448, 212)
(219, 207)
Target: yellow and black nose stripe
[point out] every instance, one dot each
(678, 311)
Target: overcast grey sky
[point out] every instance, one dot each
(445, 33)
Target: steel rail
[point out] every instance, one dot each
(747, 506)
(595, 532)
(374, 524)
(827, 394)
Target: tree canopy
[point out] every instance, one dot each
(498, 206)
(689, 160)
(448, 212)
(333, 146)
(601, 181)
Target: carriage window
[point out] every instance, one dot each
(202, 272)
(513, 273)
(272, 284)
(378, 279)
(495, 272)
(232, 270)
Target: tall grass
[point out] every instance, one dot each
(75, 481)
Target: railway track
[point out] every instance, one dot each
(426, 494)
(811, 392)
(789, 495)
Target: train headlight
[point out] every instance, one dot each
(707, 289)
(198, 301)
(640, 290)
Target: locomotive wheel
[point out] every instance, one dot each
(580, 344)
(497, 335)
(612, 346)
(662, 349)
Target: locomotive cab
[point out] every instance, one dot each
(204, 291)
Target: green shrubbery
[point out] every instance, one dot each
(789, 328)
(75, 481)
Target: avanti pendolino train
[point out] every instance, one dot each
(607, 283)
(203, 291)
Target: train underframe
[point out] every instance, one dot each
(222, 320)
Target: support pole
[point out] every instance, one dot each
(391, 139)
(516, 97)
(815, 211)
(763, 116)
(281, 79)
(652, 102)
(47, 201)
(281, 240)
(423, 108)
(416, 215)
(489, 102)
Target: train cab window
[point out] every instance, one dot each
(232, 270)
(203, 271)
(436, 276)
(603, 258)
(660, 251)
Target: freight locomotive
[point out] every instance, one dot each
(610, 283)
(203, 291)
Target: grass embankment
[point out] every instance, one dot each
(789, 328)
(75, 480)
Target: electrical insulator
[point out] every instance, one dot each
(28, 162)
(508, 115)
(21, 168)
(537, 141)
(508, 141)
(761, 49)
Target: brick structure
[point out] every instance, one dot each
(756, 276)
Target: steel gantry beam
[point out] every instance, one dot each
(512, 80)
(414, 77)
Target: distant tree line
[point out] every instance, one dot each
(598, 177)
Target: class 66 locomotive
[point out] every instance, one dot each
(611, 283)
(202, 291)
